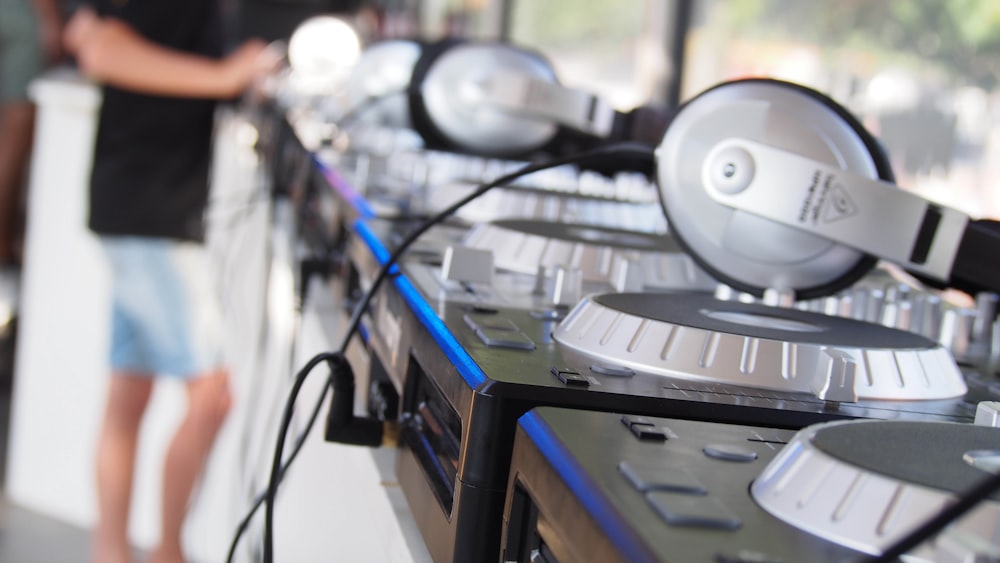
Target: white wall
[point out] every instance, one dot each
(61, 354)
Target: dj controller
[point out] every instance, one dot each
(571, 384)
(471, 357)
(587, 486)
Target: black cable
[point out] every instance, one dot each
(259, 498)
(965, 502)
(277, 469)
(616, 151)
(300, 441)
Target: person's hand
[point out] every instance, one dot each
(251, 61)
(79, 29)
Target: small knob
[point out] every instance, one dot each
(779, 297)
(567, 286)
(927, 318)
(626, 274)
(831, 305)
(897, 292)
(897, 314)
(861, 298)
(988, 414)
(540, 280)
(876, 303)
(956, 330)
(845, 307)
(835, 376)
(724, 292)
(994, 354)
(986, 313)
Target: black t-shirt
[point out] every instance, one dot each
(152, 154)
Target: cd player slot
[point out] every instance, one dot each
(382, 400)
(433, 431)
(353, 287)
(525, 530)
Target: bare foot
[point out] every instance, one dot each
(110, 554)
(166, 555)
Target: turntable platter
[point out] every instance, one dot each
(692, 336)
(865, 484)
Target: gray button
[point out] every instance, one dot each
(616, 371)
(653, 433)
(729, 452)
(481, 309)
(570, 378)
(746, 557)
(629, 420)
(504, 339)
(659, 477)
(494, 323)
(694, 511)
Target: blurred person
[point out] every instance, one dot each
(29, 41)
(161, 67)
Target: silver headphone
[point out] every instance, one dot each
(773, 185)
(486, 98)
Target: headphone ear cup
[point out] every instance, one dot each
(420, 118)
(471, 96)
(378, 85)
(743, 250)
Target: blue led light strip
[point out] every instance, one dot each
(453, 350)
(344, 189)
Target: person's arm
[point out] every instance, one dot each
(112, 52)
(50, 28)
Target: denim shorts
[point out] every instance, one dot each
(165, 312)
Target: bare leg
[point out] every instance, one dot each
(128, 396)
(209, 400)
(16, 133)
